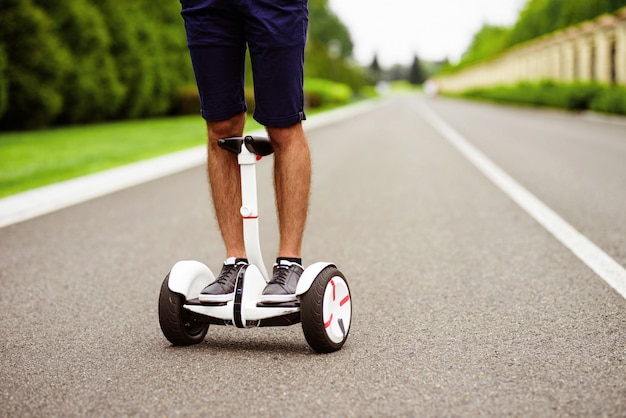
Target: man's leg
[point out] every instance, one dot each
(292, 180)
(225, 181)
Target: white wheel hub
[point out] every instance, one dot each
(337, 309)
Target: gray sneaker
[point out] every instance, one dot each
(223, 288)
(282, 287)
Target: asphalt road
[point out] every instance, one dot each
(463, 304)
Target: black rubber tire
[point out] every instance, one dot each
(312, 313)
(177, 323)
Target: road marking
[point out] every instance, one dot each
(589, 253)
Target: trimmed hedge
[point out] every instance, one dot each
(320, 92)
(610, 101)
(317, 93)
(576, 96)
(36, 63)
(79, 61)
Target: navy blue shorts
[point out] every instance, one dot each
(218, 32)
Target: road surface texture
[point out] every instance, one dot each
(464, 305)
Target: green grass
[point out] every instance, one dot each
(39, 158)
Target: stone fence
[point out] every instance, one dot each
(591, 51)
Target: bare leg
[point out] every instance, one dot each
(225, 181)
(292, 181)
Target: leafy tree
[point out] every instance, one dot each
(37, 63)
(416, 75)
(326, 29)
(541, 17)
(126, 22)
(538, 18)
(81, 60)
(91, 86)
(167, 48)
(149, 48)
(3, 82)
(375, 68)
(488, 41)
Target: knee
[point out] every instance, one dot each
(289, 135)
(226, 128)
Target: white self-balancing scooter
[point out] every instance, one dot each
(323, 304)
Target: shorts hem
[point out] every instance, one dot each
(281, 122)
(212, 116)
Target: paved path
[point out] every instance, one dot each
(464, 305)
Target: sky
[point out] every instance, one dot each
(397, 30)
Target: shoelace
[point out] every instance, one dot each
(232, 270)
(281, 276)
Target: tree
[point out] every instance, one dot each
(151, 65)
(4, 94)
(538, 18)
(375, 69)
(416, 75)
(171, 65)
(326, 29)
(541, 17)
(126, 22)
(487, 42)
(91, 87)
(36, 65)
(76, 61)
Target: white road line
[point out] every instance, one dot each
(38, 202)
(589, 253)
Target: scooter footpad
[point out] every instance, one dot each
(292, 304)
(196, 301)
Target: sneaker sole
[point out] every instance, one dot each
(278, 298)
(216, 298)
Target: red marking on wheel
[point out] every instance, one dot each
(330, 320)
(332, 283)
(344, 300)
